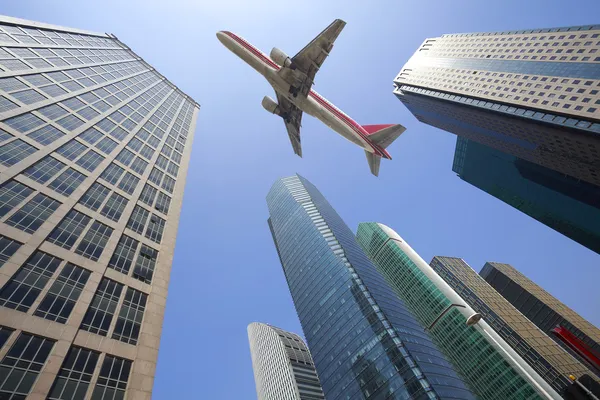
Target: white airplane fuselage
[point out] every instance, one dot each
(313, 104)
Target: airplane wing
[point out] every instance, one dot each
(308, 60)
(292, 122)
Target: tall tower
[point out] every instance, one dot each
(283, 367)
(94, 150)
(546, 357)
(534, 94)
(489, 366)
(548, 313)
(364, 341)
(565, 204)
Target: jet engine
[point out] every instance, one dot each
(271, 105)
(280, 58)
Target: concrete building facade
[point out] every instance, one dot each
(534, 94)
(94, 150)
(282, 364)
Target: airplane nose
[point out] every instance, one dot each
(221, 36)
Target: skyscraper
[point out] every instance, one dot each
(565, 204)
(489, 366)
(283, 367)
(557, 320)
(364, 341)
(533, 94)
(94, 151)
(546, 357)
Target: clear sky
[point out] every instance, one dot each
(226, 273)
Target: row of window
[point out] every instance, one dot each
(28, 354)
(29, 35)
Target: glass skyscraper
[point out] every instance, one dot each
(533, 94)
(94, 151)
(567, 205)
(544, 355)
(559, 322)
(486, 362)
(282, 364)
(365, 342)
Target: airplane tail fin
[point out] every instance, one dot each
(384, 135)
(374, 161)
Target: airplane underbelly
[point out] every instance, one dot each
(319, 112)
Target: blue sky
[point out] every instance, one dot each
(226, 273)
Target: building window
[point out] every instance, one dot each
(15, 151)
(63, 294)
(114, 207)
(112, 173)
(138, 219)
(156, 176)
(123, 256)
(148, 194)
(5, 334)
(113, 378)
(94, 197)
(24, 122)
(168, 184)
(93, 243)
(145, 263)
(129, 183)
(20, 292)
(102, 308)
(139, 165)
(90, 160)
(162, 203)
(33, 214)
(69, 230)
(44, 169)
(71, 150)
(130, 318)
(125, 157)
(67, 182)
(46, 135)
(155, 228)
(22, 365)
(106, 145)
(8, 247)
(75, 375)
(12, 193)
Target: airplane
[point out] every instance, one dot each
(293, 78)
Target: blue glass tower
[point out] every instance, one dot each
(534, 94)
(567, 205)
(364, 341)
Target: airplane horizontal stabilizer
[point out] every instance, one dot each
(384, 135)
(374, 162)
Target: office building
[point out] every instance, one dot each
(283, 367)
(548, 313)
(94, 150)
(567, 205)
(544, 355)
(364, 341)
(533, 94)
(489, 366)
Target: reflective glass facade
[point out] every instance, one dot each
(567, 205)
(365, 342)
(546, 311)
(86, 259)
(546, 357)
(484, 368)
(532, 94)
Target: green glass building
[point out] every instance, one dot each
(488, 365)
(565, 204)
